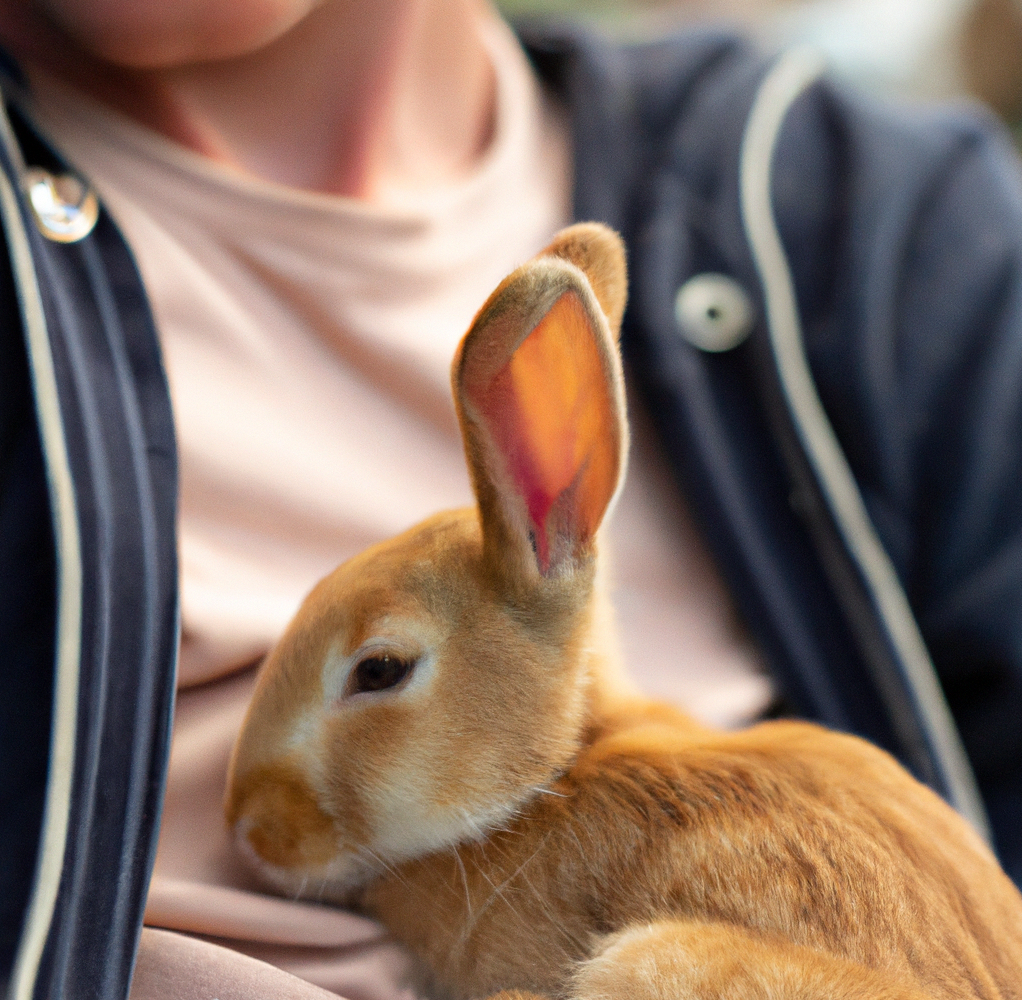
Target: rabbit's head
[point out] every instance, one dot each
(429, 686)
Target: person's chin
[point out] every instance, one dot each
(173, 33)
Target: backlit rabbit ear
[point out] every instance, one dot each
(539, 392)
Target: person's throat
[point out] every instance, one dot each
(363, 101)
(351, 102)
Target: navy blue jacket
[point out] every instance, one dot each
(874, 257)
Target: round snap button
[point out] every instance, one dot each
(713, 312)
(65, 209)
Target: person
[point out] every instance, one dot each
(318, 195)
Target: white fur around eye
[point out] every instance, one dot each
(338, 669)
(304, 733)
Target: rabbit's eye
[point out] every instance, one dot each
(376, 673)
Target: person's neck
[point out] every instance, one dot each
(357, 99)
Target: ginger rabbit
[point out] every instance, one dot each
(441, 741)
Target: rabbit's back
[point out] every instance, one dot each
(785, 832)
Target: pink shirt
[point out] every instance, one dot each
(308, 340)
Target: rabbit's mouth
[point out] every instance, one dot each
(335, 881)
(291, 843)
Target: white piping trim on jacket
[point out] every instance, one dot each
(790, 76)
(57, 807)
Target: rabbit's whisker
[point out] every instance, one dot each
(464, 880)
(372, 856)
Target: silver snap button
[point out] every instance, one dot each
(65, 209)
(713, 312)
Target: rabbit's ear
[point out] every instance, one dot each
(540, 396)
(599, 253)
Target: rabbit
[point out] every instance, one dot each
(442, 739)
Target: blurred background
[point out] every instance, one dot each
(922, 48)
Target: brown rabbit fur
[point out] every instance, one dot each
(441, 740)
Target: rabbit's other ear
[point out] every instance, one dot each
(539, 393)
(599, 253)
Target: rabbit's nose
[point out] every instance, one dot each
(276, 817)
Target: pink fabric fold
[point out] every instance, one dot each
(176, 967)
(219, 911)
